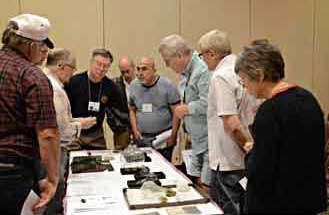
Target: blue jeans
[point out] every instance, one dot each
(15, 184)
(226, 190)
(166, 152)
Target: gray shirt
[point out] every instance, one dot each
(153, 104)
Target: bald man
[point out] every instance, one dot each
(152, 101)
(121, 129)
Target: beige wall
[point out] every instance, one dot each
(76, 24)
(289, 24)
(9, 8)
(321, 53)
(299, 27)
(136, 27)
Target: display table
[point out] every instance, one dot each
(100, 193)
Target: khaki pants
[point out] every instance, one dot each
(121, 139)
(92, 140)
(183, 143)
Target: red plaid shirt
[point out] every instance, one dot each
(26, 103)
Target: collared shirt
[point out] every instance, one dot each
(68, 128)
(126, 88)
(227, 97)
(26, 103)
(193, 89)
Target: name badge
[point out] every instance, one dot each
(147, 108)
(93, 106)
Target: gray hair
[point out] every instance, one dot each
(60, 55)
(215, 40)
(261, 55)
(11, 39)
(102, 52)
(173, 45)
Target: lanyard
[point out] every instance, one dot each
(99, 91)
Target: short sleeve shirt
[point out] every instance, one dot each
(227, 97)
(153, 104)
(26, 103)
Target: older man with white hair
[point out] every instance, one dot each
(193, 88)
(230, 111)
(60, 66)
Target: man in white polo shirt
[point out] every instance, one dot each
(230, 111)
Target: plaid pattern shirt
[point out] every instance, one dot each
(26, 103)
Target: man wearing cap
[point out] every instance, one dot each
(28, 128)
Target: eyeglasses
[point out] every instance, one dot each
(71, 66)
(40, 45)
(240, 82)
(102, 65)
(203, 53)
(141, 68)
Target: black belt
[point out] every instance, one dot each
(14, 159)
(155, 133)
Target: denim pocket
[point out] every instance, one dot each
(231, 179)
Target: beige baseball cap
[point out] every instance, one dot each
(33, 27)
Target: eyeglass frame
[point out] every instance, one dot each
(101, 65)
(203, 53)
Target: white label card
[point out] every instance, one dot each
(147, 108)
(93, 106)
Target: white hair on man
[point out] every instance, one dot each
(173, 45)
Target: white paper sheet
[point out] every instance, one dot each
(30, 201)
(243, 182)
(160, 140)
(99, 204)
(187, 158)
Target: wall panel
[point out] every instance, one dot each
(135, 28)
(8, 9)
(76, 24)
(199, 17)
(321, 53)
(289, 24)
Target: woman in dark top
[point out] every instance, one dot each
(285, 167)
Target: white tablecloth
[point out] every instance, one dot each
(101, 192)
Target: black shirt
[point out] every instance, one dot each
(81, 90)
(285, 168)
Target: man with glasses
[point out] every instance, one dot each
(59, 68)
(152, 101)
(91, 93)
(28, 129)
(121, 129)
(193, 89)
(230, 111)
(44, 53)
